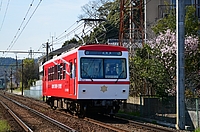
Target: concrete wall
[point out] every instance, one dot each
(35, 91)
(152, 12)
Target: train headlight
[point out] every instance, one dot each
(123, 91)
(83, 90)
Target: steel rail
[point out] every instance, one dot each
(105, 125)
(148, 126)
(19, 121)
(59, 124)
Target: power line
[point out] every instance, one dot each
(4, 14)
(66, 30)
(21, 24)
(67, 34)
(1, 4)
(17, 51)
(14, 41)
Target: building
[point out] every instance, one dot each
(157, 9)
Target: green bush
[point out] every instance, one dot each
(4, 127)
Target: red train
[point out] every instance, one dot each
(90, 78)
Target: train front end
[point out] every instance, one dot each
(103, 77)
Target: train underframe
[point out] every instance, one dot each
(84, 107)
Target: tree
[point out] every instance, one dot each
(147, 74)
(169, 22)
(96, 9)
(163, 48)
(73, 41)
(102, 9)
(30, 72)
(153, 68)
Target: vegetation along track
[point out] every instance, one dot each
(101, 123)
(31, 120)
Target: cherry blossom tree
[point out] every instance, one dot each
(163, 48)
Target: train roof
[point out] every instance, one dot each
(94, 47)
(102, 47)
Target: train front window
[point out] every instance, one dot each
(99, 68)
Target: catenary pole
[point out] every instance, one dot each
(11, 80)
(180, 63)
(22, 77)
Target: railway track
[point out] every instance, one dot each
(148, 127)
(85, 125)
(20, 122)
(31, 120)
(126, 125)
(105, 124)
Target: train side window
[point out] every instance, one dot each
(55, 72)
(45, 74)
(51, 74)
(61, 71)
(70, 69)
(64, 70)
(74, 68)
(48, 74)
(58, 72)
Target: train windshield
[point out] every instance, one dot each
(100, 68)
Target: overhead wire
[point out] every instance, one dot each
(61, 37)
(4, 14)
(1, 4)
(125, 16)
(23, 21)
(67, 29)
(57, 39)
(17, 37)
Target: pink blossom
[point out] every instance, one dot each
(167, 44)
(164, 48)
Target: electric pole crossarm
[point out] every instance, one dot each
(16, 51)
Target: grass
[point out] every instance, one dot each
(197, 130)
(4, 127)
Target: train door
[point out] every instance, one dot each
(45, 80)
(72, 77)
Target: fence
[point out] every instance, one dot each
(164, 109)
(192, 114)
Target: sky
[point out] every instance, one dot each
(25, 27)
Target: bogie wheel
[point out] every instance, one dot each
(54, 107)
(80, 111)
(70, 108)
(51, 103)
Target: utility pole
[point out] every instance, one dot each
(180, 62)
(52, 43)
(31, 53)
(11, 80)
(5, 80)
(47, 51)
(16, 73)
(22, 78)
(134, 9)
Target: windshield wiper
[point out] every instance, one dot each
(119, 76)
(88, 75)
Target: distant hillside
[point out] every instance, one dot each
(6, 64)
